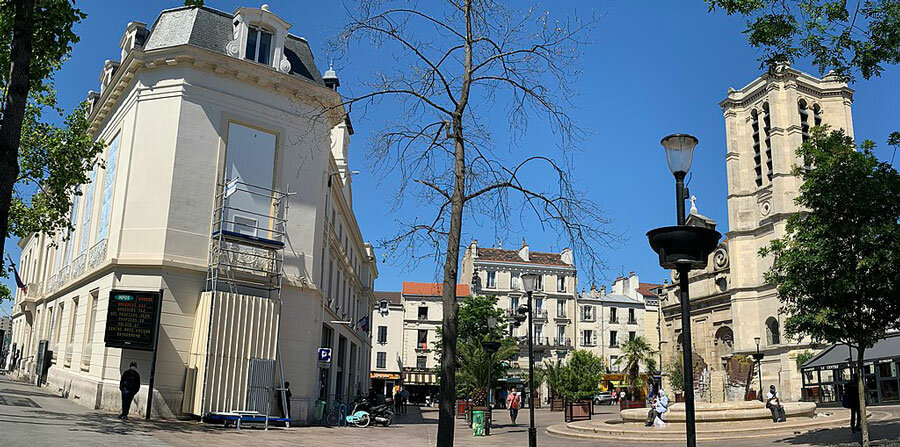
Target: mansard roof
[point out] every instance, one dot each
(212, 29)
(536, 257)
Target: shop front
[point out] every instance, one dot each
(420, 384)
(384, 384)
(826, 375)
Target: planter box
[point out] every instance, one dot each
(557, 404)
(579, 410)
(462, 408)
(629, 404)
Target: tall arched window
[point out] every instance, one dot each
(767, 130)
(773, 332)
(817, 115)
(757, 156)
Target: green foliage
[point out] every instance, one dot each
(474, 363)
(473, 328)
(53, 162)
(580, 377)
(553, 373)
(804, 357)
(52, 40)
(635, 353)
(836, 34)
(837, 269)
(675, 372)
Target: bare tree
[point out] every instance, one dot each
(455, 63)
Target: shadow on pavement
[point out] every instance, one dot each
(884, 431)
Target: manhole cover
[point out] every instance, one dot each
(15, 401)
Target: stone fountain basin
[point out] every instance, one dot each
(727, 411)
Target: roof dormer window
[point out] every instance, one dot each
(259, 45)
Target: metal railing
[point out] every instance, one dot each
(97, 254)
(540, 314)
(590, 317)
(562, 341)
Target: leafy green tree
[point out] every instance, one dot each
(804, 357)
(41, 165)
(635, 353)
(474, 363)
(837, 269)
(675, 373)
(580, 378)
(842, 35)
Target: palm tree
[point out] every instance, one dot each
(474, 363)
(636, 352)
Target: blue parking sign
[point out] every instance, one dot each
(325, 355)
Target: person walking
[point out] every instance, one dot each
(129, 385)
(398, 404)
(773, 403)
(513, 402)
(851, 401)
(404, 397)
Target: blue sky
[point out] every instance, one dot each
(655, 67)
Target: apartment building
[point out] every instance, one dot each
(225, 199)
(387, 342)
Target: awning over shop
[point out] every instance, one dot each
(419, 378)
(835, 356)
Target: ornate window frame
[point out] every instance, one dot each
(263, 19)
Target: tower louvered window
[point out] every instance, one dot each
(817, 115)
(767, 129)
(804, 119)
(757, 160)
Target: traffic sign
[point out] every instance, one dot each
(324, 355)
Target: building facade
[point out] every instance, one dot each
(387, 342)
(731, 305)
(607, 320)
(495, 272)
(225, 187)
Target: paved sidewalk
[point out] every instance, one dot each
(35, 417)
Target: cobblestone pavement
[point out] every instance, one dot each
(35, 417)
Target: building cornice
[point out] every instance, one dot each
(248, 72)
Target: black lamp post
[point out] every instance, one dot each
(528, 280)
(683, 248)
(490, 348)
(758, 357)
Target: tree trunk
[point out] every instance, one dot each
(861, 388)
(14, 107)
(449, 330)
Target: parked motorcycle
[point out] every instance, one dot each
(364, 414)
(383, 414)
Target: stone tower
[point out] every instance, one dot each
(766, 121)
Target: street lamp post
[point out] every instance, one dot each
(683, 248)
(528, 281)
(490, 348)
(758, 357)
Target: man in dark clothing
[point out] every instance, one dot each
(129, 386)
(283, 398)
(852, 396)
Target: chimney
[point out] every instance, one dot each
(474, 248)
(330, 79)
(523, 252)
(602, 290)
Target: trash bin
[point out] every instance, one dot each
(478, 422)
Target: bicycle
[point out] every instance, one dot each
(337, 415)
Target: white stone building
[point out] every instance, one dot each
(606, 320)
(226, 187)
(387, 342)
(731, 304)
(496, 272)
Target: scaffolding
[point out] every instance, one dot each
(244, 278)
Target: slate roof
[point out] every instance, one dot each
(432, 289)
(392, 297)
(536, 257)
(887, 347)
(212, 29)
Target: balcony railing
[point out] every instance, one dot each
(588, 318)
(632, 321)
(588, 343)
(613, 320)
(53, 283)
(69, 347)
(79, 266)
(561, 313)
(96, 255)
(538, 340)
(562, 341)
(540, 314)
